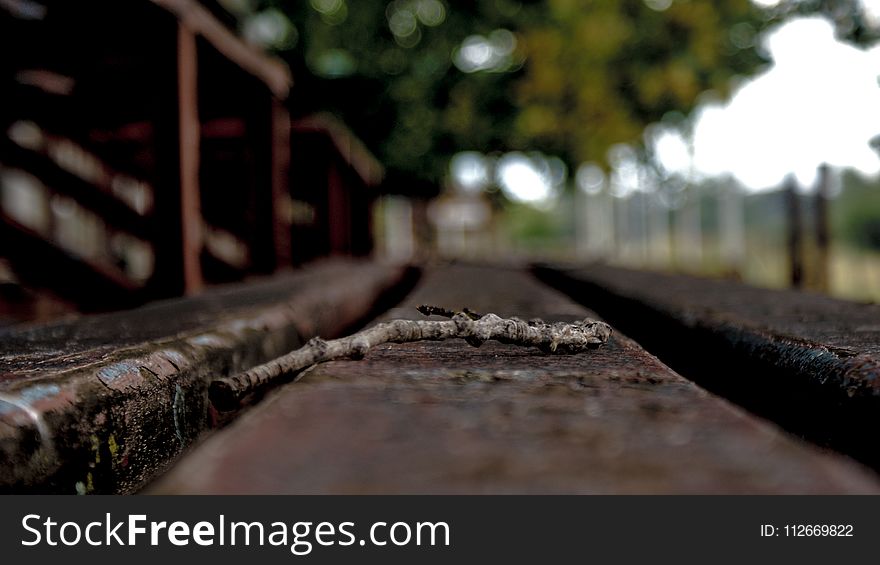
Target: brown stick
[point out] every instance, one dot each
(559, 337)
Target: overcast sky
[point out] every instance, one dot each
(819, 101)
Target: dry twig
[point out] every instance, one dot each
(559, 337)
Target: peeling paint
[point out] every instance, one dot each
(116, 371)
(175, 358)
(26, 397)
(38, 392)
(178, 408)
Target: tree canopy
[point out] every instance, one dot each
(419, 80)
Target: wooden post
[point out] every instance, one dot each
(360, 231)
(339, 213)
(268, 158)
(176, 148)
(309, 168)
(823, 237)
(281, 184)
(795, 240)
(189, 127)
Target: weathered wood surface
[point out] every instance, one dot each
(805, 360)
(448, 418)
(103, 403)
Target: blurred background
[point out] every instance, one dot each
(153, 147)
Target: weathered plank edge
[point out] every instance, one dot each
(112, 426)
(504, 414)
(814, 390)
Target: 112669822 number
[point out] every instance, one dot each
(818, 530)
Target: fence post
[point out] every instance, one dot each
(823, 236)
(795, 240)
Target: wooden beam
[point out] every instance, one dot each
(190, 198)
(281, 183)
(352, 149)
(198, 20)
(58, 180)
(42, 263)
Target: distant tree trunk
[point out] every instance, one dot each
(795, 240)
(823, 236)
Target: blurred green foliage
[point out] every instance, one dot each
(856, 213)
(580, 75)
(598, 76)
(538, 231)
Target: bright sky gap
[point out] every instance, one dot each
(818, 101)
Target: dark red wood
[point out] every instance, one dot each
(190, 130)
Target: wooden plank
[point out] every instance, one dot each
(104, 403)
(449, 418)
(351, 149)
(807, 361)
